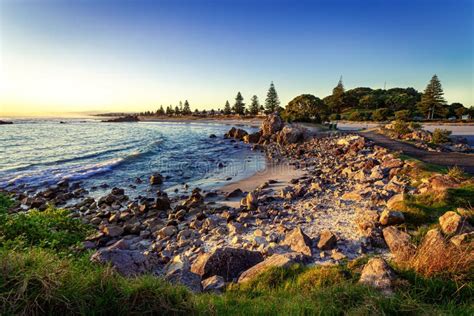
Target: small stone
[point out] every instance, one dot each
(214, 283)
(327, 240)
(388, 218)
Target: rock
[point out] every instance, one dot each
(271, 125)
(194, 200)
(252, 138)
(463, 240)
(113, 230)
(167, 231)
(236, 133)
(162, 203)
(5, 122)
(250, 201)
(452, 223)
(156, 179)
(376, 273)
(233, 194)
(298, 241)
(327, 240)
(441, 183)
(212, 136)
(277, 260)
(399, 244)
(352, 196)
(226, 262)
(185, 277)
(291, 135)
(395, 201)
(126, 262)
(388, 218)
(235, 228)
(215, 283)
(128, 118)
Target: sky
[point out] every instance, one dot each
(59, 56)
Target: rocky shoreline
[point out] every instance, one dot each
(341, 208)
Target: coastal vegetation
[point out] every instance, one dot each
(357, 104)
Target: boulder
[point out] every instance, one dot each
(113, 230)
(284, 260)
(250, 201)
(156, 179)
(327, 240)
(271, 125)
(395, 201)
(298, 241)
(252, 138)
(290, 135)
(185, 277)
(399, 244)
(388, 218)
(240, 134)
(126, 262)
(452, 223)
(214, 283)
(226, 262)
(377, 273)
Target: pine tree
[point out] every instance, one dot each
(160, 111)
(254, 105)
(432, 101)
(239, 105)
(186, 108)
(227, 109)
(177, 111)
(169, 111)
(272, 102)
(336, 101)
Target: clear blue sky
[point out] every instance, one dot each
(135, 55)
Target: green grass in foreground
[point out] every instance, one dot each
(38, 281)
(37, 276)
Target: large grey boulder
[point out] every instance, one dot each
(226, 262)
(126, 262)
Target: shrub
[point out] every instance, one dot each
(403, 115)
(456, 172)
(52, 228)
(335, 117)
(355, 116)
(441, 136)
(401, 127)
(381, 114)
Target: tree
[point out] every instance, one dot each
(306, 108)
(272, 102)
(381, 114)
(239, 105)
(177, 111)
(254, 105)
(432, 101)
(186, 108)
(160, 111)
(169, 111)
(336, 100)
(227, 109)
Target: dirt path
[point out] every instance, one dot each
(465, 161)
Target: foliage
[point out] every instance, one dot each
(456, 172)
(306, 108)
(401, 127)
(381, 114)
(272, 102)
(227, 108)
(52, 228)
(403, 115)
(336, 101)
(239, 105)
(254, 105)
(186, 109)
(432, 101)
(441, 136)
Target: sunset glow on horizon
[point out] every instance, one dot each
(61, 56)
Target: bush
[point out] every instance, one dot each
(403, 115)
(401, 127)
(52, 228)
(441, 136)
(355, 116)
(335, 117)
(381, 114)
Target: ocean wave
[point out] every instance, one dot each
(54, 175)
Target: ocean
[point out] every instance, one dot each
(39, 152)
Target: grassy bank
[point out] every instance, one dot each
(38, 281)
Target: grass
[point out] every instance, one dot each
(40, 282)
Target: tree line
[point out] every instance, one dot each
(358, 104)
(272, 104)
(362, 103)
